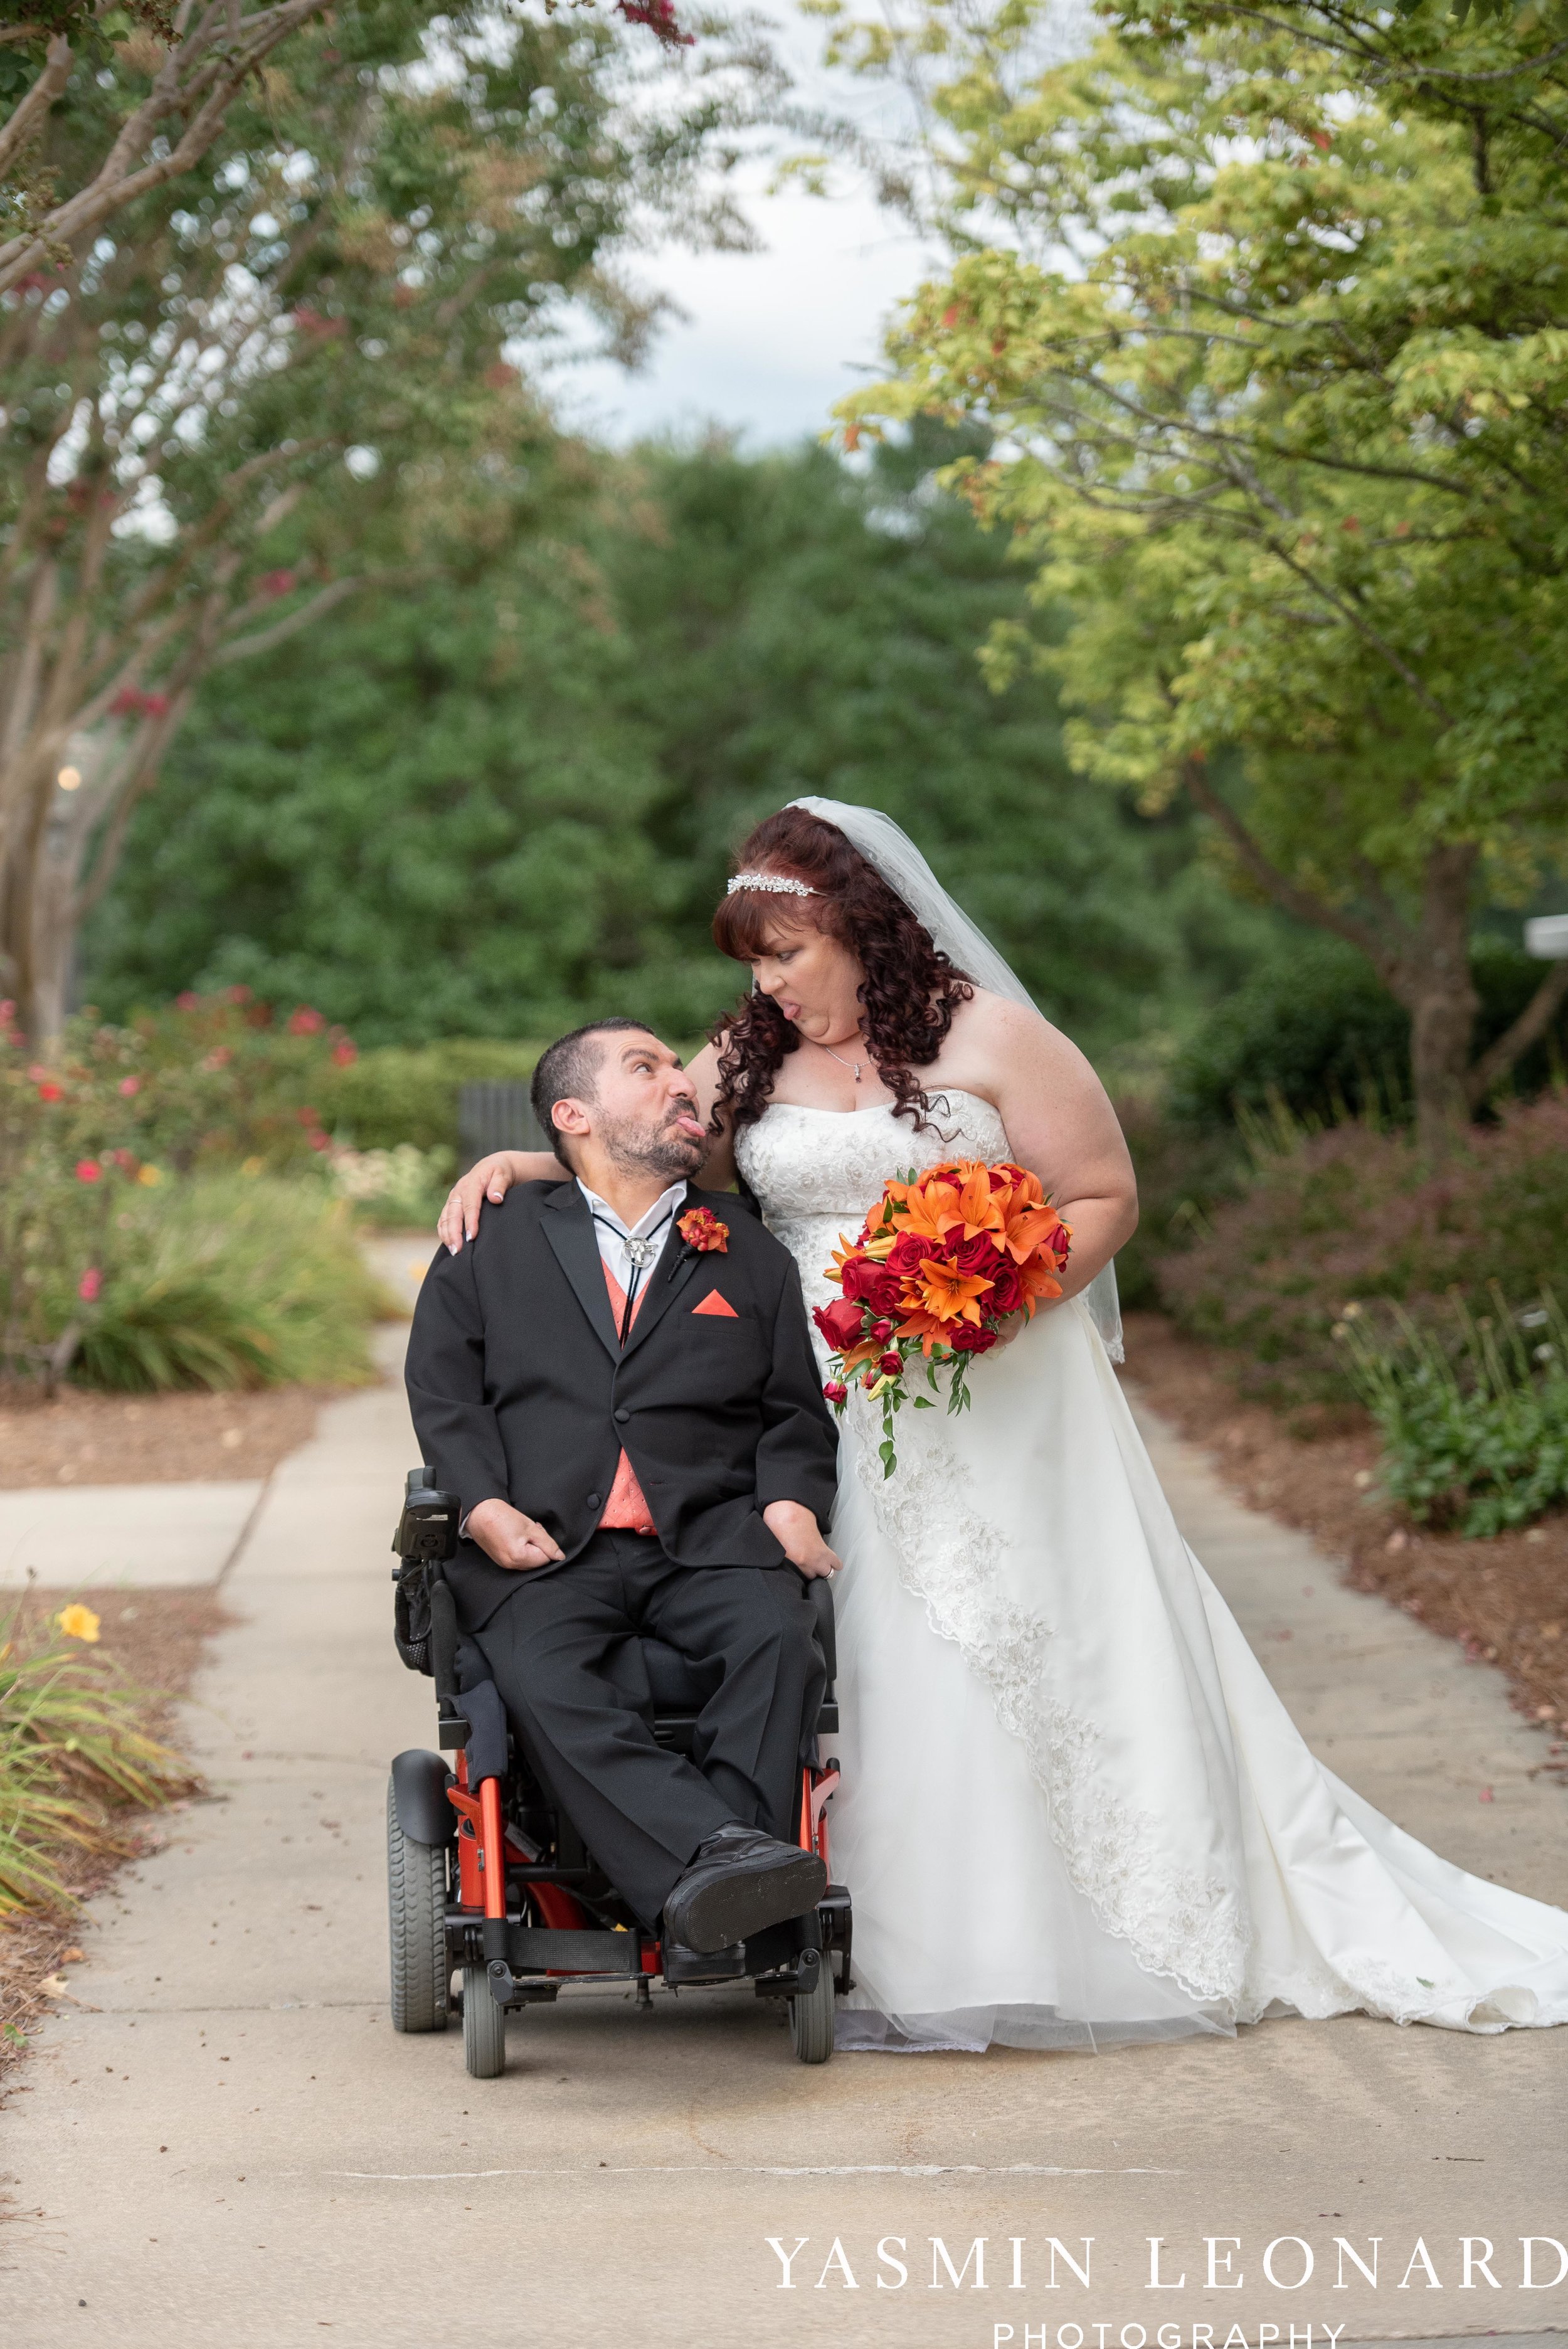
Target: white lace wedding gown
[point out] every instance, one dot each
(1073, 1808)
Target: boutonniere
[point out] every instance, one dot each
(702, 1231)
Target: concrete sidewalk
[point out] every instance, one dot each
(226, 2143)
(104, 1537)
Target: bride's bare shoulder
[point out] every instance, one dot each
(1005, 1034)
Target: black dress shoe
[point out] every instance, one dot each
(683, 1965)
(739, 1882)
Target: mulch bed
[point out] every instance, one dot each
(82, 1438)
(156, 1637)
(1504, 1600)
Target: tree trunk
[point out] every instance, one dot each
(1433, 979)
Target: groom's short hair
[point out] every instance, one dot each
(568, 1069)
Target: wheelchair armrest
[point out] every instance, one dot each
(820, 1590)
(443, 1637)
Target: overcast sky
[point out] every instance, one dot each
(769, 339)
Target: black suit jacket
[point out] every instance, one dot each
(522, 1392)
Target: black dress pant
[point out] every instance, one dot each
(562, 1651)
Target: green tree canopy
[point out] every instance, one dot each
(1286, 439)
(489, 811)
(293, 368)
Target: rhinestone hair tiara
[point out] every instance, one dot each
(779, 884)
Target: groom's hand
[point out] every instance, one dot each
(795, 1528)
(513, 1540)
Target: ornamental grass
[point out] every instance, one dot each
(76, 1756)
(231, 1281)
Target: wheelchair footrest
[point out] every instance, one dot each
(543, 1949)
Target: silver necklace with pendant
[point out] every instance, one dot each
(853, 1066)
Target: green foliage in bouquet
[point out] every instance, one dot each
(1474, 1420)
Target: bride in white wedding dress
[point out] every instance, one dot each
(1073, 1809)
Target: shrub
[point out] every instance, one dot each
(394, 1096)
(73, 1747)
(230, 1282)
(1353, 1214)
(1320, 1033)
(1182, 1174)
(400, 1189)
(1475, 1430)
(110, 1264)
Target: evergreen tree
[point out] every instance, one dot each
(490, 810)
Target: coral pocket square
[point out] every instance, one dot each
(713, 1303)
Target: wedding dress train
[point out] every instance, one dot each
(1073, 1808)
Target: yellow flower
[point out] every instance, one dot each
(150, 1175)
(77, 1622)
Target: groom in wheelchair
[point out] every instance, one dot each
(616, 1570)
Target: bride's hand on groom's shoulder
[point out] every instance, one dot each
(796, 1532)
(510, 1537)
(490, 1178)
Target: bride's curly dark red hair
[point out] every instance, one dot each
(910, 991)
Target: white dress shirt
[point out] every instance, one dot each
(654, 1227)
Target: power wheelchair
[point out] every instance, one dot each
(488, 1881)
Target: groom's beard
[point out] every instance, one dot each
(652, 1150)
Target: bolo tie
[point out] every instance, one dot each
(642, 1253)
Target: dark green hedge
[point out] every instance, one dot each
(1320, 1032)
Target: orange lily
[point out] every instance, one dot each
(951, 1294)
(979, 1207)
(918, 1323)
(1026, 1228)
(931, 1212)
(1037, 1281)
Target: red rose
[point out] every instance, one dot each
(1061, 1242)
(880, 1331)
(890, 1364)
(840, 1323)
(907, 1252)
(836, 1393)
(979, 1254)
(870, 1283)
(970, 1338)
(1007, 1295)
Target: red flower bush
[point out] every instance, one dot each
(1356, 1214)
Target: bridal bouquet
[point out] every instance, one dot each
(944, 1261)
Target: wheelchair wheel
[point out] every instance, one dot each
(484, 2027)
(811, 2018)
(417, 1901)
